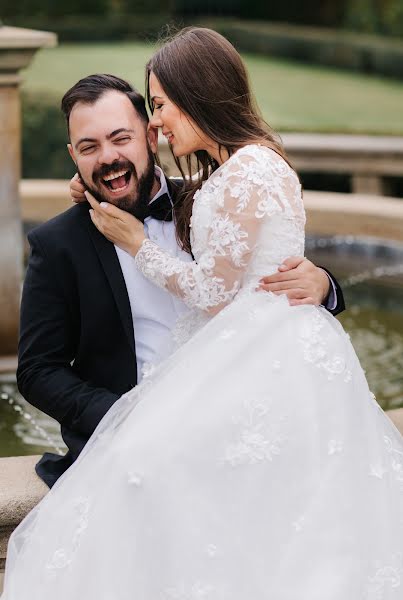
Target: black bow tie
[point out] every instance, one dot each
(160, 209)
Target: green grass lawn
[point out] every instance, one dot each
(291, 96)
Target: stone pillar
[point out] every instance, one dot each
(367, 184)
(17, 47)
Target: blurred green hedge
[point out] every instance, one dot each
(375, 16)
(63, 8)
(44, 139)
(91, 28)
(370, 16)
(364, 53)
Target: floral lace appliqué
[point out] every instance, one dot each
(386, 582)
(315, 349)
(197, 591)
(227, 235)
(334, 447)
(64, 556)
(260, 439)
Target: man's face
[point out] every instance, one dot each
(113, 150)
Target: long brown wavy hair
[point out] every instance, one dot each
(201, 72)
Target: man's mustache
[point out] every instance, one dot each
(115, 167)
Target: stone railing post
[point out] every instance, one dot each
(17, 48)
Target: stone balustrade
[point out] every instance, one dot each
(366, 159)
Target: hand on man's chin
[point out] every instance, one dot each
(102, 195)
(125, 203)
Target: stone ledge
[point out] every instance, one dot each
(396, 416)
(358, 215)
(20, 491)
(5, 533)
(20, 488)
(8, 365)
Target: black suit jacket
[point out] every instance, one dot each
(76, 350)
(340, 304)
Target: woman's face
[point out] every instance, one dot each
(181, 132)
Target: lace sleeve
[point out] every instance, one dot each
(247, 191)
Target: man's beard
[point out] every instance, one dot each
(128, 203)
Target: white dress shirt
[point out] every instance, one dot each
(154, 310)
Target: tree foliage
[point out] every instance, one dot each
(52, 8)
(373, 16)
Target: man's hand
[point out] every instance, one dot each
(300, 279)
(77, 189)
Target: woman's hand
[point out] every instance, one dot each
(118, 226)
(77, 189)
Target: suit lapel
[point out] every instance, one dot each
(111, 265)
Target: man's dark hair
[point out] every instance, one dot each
(89, 89)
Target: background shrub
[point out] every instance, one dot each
(90, 28)
(365, 53)
(375, 16)
(44, 139)
(370, 16)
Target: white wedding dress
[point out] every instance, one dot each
(252, 463)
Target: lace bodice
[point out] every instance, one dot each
(247, 218)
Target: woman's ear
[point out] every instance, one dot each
(152, 136)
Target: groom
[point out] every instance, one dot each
(90, 322)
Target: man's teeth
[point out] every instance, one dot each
(117, 189)
(114, 175)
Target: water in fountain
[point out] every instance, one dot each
(371, 274)
(24, 429)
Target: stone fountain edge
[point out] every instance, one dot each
(328, 213)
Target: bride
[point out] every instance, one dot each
(240, 468)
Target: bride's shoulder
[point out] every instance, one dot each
(253, 165)
(257, 154)
(260, 160)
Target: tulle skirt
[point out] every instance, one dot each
(252, 464)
